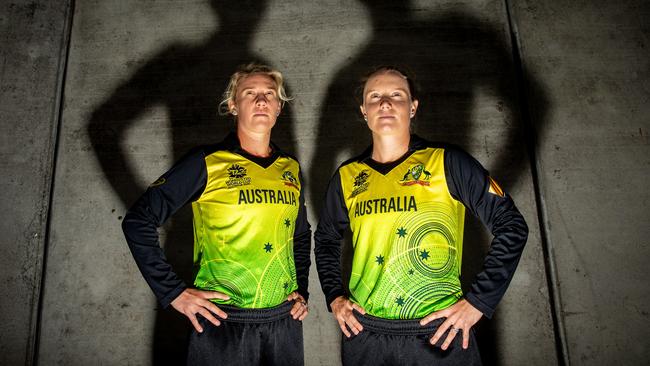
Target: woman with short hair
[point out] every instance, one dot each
(251, 235)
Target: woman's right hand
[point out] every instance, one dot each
(342, 309)
(192, 301)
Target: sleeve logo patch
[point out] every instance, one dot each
(289, 179)
(158, 182)
(414, 174)
(495, 188)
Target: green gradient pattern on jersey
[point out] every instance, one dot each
(243, 230)
(407, 237)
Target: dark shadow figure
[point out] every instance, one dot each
(188, 81)
(452, 56)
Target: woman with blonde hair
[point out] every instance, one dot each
(251, 235)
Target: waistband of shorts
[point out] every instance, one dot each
(397, 326)
(265, 315)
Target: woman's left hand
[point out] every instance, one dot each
(300, 308)
(461, 317)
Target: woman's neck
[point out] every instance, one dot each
(386, 149)
(256, 144)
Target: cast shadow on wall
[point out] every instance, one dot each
(452, 55)
(188, 81)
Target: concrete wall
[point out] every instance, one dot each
(32, 39)
(141, 86)
(594, 161)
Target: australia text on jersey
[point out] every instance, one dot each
(384, 205)
(274, 196)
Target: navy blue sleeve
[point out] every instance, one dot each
(184, 182)
(302, 245)
(471, 184)
(329, 233)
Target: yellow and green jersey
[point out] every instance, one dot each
(407, 221)
(251, 235)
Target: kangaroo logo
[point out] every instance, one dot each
(289, 179)
(416, 174)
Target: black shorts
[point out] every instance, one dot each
(404, 342)
(249, 337)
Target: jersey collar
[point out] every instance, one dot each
(232, 144)
(415, 143)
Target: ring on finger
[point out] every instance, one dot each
(455, 330)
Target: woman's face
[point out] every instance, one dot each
(387, 104)
(256, 104)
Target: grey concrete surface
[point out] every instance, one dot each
(141, 88)
(595, 165)
(31, 35)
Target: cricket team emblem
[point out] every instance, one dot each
(289, 179)
(416, 174)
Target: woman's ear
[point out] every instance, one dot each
(231, 107)
(414, 107)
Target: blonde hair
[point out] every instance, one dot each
(244, 71)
